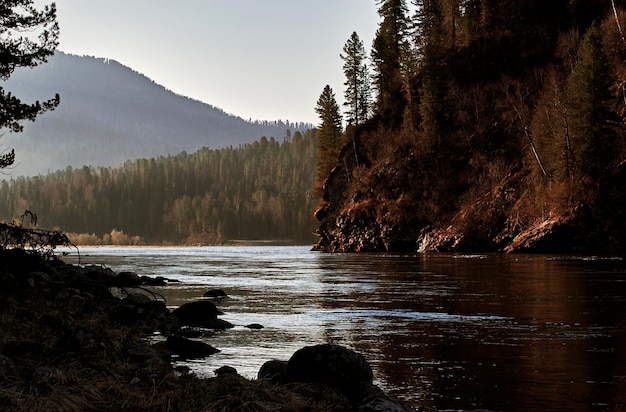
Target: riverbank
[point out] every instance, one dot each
(69, 344)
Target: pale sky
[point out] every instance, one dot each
(259, 59)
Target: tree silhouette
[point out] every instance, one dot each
(329, 135)
(592, 130)
(357, 94)
(28, 36)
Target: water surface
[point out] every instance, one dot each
(448, 331)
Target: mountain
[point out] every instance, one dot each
(109, 113)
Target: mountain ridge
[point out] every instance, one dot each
(110, 113)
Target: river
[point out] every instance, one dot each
(446, 331)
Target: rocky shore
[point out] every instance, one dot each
(384, 218)
(70, 344)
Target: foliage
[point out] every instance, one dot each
(42, 242)
(28, 36)
(357, 94)
(592, 123)
(507, 112)
(388, 53)
(330, 136)
(256, 191)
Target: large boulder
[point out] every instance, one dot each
(201, 313)
(330, 365)
(341, 369)
(275, 371)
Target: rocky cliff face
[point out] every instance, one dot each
(386, 208)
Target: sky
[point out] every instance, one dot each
(257, 59)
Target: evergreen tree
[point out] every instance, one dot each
(357, 94)
(387, 55)
(329, 135)
(592, 129)
(20, 23)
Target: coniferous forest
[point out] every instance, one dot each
(495, 125)
(255, 191)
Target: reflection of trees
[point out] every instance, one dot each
(558, 331)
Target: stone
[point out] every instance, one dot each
(217, 294)
(331, 365)
(156, 281)
(255, 326)
(225, 370)
(128, 280)
(276, 372)
(200, 313)
(189, 349)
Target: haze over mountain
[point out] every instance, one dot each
(109, 113)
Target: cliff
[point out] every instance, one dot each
(507, 136)
(389, 208)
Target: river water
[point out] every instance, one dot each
(446, 331)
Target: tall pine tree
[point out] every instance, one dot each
(591, 126)
(357, 94)
(387, 56)
(329, 135)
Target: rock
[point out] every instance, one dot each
(343, 370)
(200, 313)
(157, 281)
(217, 294)
(330, 365)
(218, 324)
(254, 326)
(96, 271)
(225, 370)
(136, 299)
(189, 349)
(75, 304)
(41, 277)
(7, 367)
(192, 332)
(142, 353)
(128, 280)
(276, 372)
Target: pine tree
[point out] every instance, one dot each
(329, 135)
(387, 55)
(357, 94)
(592, 130)
(20, 21)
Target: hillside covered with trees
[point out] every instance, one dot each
(495, 125)
(102, 100)
(256, 191)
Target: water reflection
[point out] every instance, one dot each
(495, 332)
(455, 332)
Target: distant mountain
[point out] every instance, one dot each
(109, 113)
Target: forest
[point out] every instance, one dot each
(255, 191)
(494, 125)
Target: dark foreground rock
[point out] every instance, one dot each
(336, 368)
(201, 313)
(189, 349)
